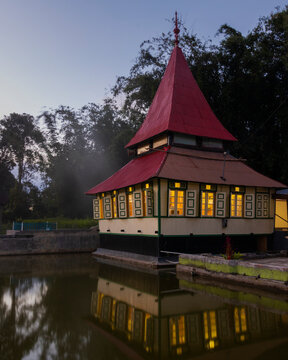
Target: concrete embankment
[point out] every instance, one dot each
(49, 242)
(269, 273)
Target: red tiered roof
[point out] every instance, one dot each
(185, 165)
(179, 106)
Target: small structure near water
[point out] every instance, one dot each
(183, 192)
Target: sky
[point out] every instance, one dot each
(70, 52)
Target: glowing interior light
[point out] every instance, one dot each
(208, 187)
(130, 188)
(177, 185)
(147, 186)
(211, 344)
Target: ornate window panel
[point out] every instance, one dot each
(191, 203)
(262, 202)
(107, 207)
(96, 208)
(249, 210)
(220, 204)
(137, 204)
(122, 205)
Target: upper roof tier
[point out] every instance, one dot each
(180, 106)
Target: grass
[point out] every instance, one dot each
(62, 223)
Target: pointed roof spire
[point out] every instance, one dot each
(176, 30)
(179, 105)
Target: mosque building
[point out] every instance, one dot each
(183, 191)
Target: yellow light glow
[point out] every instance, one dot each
(237, 188)
(177, 185)
(208, 187)
(101, 209)
(180, 202)
(181, 330)
(207, 203)
(114, 207)
(147, 186)
(99, 303)
(242, 338)
(147, 317)
(144, 203)
(179, 351)
(129, 322)
(114, 192)
(130, 188)
(113, 313)
(211, 344)
(103, 194)
(130, 204)
(237, 205)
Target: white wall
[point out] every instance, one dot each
(206, 226)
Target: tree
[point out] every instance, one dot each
(23, 145)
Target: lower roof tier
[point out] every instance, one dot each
(185, 165)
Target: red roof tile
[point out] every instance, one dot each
(186, 165)
(207, 167)
(136, 171)
(180, 106)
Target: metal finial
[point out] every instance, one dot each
(176, 30)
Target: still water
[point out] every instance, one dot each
(75, 307)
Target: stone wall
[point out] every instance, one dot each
(59, 241)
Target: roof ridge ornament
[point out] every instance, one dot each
(176, 30)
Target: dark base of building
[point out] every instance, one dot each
(167, 246)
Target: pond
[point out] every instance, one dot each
(76, 307)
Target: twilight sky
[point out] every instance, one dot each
(69, 52)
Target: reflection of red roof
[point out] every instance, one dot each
(180, 106)
(186, 165)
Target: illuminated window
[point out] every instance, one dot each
(130, 200)
(236, 205)
(113, 312)
(177, 334)
(148, 333)
(176, 203)
(130, 205)
(130, 321)
(99, 304)
(240, 322)
(144, 203)
(210, 329)
(101, 205)
(207, 203)
(181, 330)
(114, 205)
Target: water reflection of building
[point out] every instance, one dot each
(152, 314)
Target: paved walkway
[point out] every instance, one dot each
(277, 262)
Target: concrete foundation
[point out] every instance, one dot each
(52, 242)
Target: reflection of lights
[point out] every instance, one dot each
(210, 329)
(242, 338)
(211, 344)
(7, 300)
(179, 350)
